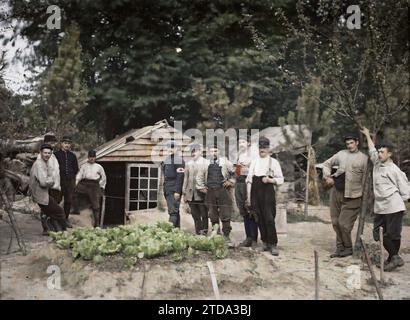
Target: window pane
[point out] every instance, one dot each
(152, 205)
(154, 172)
(143, 184)
(134, 172)
(153, 183)
(133, 206)
(143, 205)
(143, 172)
(143, 195)
(153, 195)
(133, 195)
(133, 183)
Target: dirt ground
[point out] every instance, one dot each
(244, 274)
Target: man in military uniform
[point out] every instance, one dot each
(173, 168)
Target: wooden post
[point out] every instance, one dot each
(381, 255)
(213, 279)
(307, 184)
(13, 222)
(369, 264)
(316, 275)
(363, 209)
(102, 212)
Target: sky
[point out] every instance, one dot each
(16, 74)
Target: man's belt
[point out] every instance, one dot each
(90, 181)
(241, 178)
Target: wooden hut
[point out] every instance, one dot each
(132, 163)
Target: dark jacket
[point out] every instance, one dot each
(67, 162)
(173, 168)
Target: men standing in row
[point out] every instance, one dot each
(68, 164)
(215, 180)
(391, 189)
(192, 196)
(241, 170)
(173, 168)
(90, 181)
(347, 190)
(42, 178)
(264, 173)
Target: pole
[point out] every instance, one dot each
(316, 275)
(369, 264)
(307, 184)
(381, 255)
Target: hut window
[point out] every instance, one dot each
(143, 184)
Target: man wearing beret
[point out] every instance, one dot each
(68, 163)
(90, 181)
(346, 193)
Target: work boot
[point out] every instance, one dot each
(336, 254)
(43, 219)
(254, 244)
(274, 250)
(246, 243)
(228, 241)
(395, 262)
(68, 224)
(96, 214)
(266, 247)
(346, 252)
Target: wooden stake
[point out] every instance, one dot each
(316, 275)
(381, 255)
(102, 212)
(307, 184)
(376, 284)
(8, 208)
(213, 280)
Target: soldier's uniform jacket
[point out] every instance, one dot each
(173, 168)
(354, 166)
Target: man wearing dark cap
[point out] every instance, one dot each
(264, 173)
(195, 199)
(215, 182)
(68, 163)
(90, 181)
(54, 167)
(391, 188)
(42, 178)
(174, 169)
(346, 193)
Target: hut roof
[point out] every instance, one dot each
(140, 145)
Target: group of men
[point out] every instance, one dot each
(55, 176)
(391, 190)
(206, 185)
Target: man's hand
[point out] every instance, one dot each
(365, 131)
(227, 184)
(177, 196)
(267, 180)
(248, 202)
(329, 182)
(204, 190)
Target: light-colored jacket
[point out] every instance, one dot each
(390, 185)
(354, 166)
(191, 172)
(54, 168)
(227, 169)
(41, 179)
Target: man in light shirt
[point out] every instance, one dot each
(192, 196)
(55, 190)
(42, 178)
(346, 193)
(90, 181)
(391, 189)
(264, 173)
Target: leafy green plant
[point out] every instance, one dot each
(138, 242)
